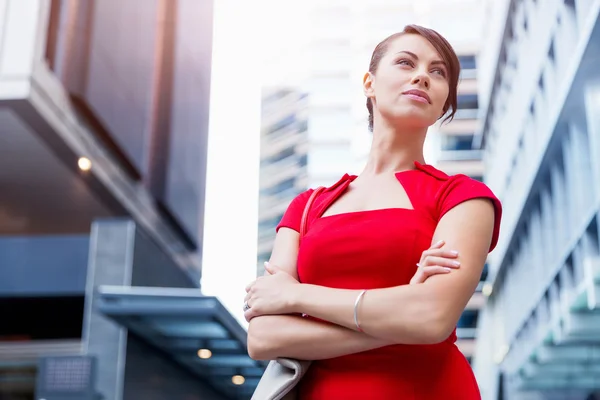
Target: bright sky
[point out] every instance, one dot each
(245, 33)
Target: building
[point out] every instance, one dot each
(104, 123)
(283, 148)
(540, 96)
(451, 146)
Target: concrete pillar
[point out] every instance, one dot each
(110, 263)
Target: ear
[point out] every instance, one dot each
(368, 85)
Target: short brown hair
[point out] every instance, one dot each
(446, 52)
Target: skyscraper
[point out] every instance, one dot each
(282, 161)
(539, 332)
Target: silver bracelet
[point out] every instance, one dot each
(356, 303)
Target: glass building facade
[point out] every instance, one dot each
(104, 111)
(540, 96)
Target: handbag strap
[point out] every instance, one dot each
(309, 203)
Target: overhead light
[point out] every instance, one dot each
(204, 354)
(487, 289)
(84, 164)
(238, 380)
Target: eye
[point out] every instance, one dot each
(440, 71)
(404, 61)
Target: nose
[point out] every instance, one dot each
(421, 79)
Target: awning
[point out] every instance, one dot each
(194, 330)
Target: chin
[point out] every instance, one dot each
(414, 120)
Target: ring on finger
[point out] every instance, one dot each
(246, 306)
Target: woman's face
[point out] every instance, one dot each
(410, 86)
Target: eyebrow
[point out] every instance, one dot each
(413, 55)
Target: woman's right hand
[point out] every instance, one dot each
(435, 261)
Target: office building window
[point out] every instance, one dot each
(280, 187)
(285, 122)
(467, 62)
(467, 101)
(468, 319)
(457, 142)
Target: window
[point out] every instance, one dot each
(279, 156)
(287, 121)
(278, 95)
(484, 273)
(467, 62)
(457, 142)
(280, 187)
(468, 319)
(467, 101)
(269, 224)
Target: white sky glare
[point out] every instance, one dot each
(254, 43)
(230, 225)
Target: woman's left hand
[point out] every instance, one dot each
(271, 294)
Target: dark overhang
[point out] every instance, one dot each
(186, 325)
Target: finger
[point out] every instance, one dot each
(431, 261)
(438, 245)
(434, 270)
(248, 315)
(417, 278)
(441, 253)
(247, 298)
(249, 286)
(428, 272)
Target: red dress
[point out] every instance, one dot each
(377, 249)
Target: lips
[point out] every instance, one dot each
(418, 95)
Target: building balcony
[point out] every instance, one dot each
(466, 347)
(467, 113)
(558, 348)
(466, 333)
(460, 155)
(271, 169)
(549, 133)
(266, 245)
(477, 301)
(278, 176)
(272, 206)
(281, 140)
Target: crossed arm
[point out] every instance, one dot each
(428, 314)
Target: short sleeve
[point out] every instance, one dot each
(461, 188)
(293, 215)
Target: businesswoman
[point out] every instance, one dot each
(372, 334)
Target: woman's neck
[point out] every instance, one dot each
(394, 150)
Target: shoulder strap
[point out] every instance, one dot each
(309, 203)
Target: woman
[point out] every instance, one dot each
(368, 232)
